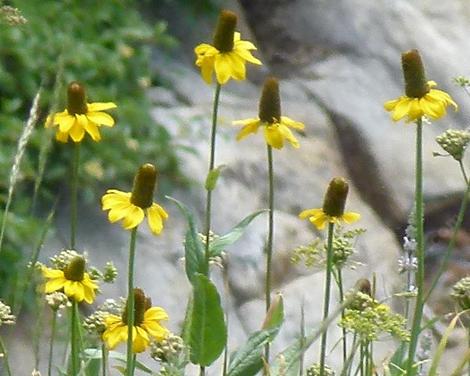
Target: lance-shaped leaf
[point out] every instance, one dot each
(248, 360)
(219, 244)
(208, 333)
(195, 261)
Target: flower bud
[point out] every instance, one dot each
(144, 186)
(413, 70)
(335, 197)
(224, 31)
(363, 285)
(461, 293)
(270, 102)
(75, 270)
(76, 99)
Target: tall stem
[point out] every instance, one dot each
(341, 299)
(418, 313)
(130, 303)
(464, 173)
(51, 344)
(73, 211)
(269, 244)
(6, 362)
(453, 239)
(202, 371)
(104, 359)
(215, 110)
(326, 303)
(74, 350)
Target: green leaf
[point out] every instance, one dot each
(219, 244)
(275, 315)
(212, 177)
(195, 261)
(186, 330)
(92, 353)
(208, 333)
(247, 361)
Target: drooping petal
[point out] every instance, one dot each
(101, 118)
(207, 68)
(140, 341)
(52, 273)
(134, 216)
(292, 123)
(54, 285)
(155, 220)
(114, 197)
(237, 64)
(310, 213)
(287, 134)
(62, 137)
(223, 69)
(65, 122)
(93, 130)
(273, 136)
(401, 109)
(320, 221)
(350, 217)
(78, 129)
(74, 289)
(248, 129)
(155, 314)
(390, 105)
(100, 106)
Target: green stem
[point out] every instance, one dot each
(104, 359)
(341, 299)
(73, 211)
(51, 344)
(211, 167)
(130, 303)
(418, 313)
(464, 173)
(453, 239)
(202, 371)
(468, 333)
(326, 303)
(269, 244)
(4, 351)
(74, 339)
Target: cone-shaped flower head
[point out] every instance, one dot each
(228, 54)
(73, 280)
(419, 99)
(147, 324)
(276, 127)
(80, 117)
(131, 207)
(333, 206)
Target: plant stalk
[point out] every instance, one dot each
(130, 304)
(51, 344)
(419, 205)
(74, 193)
(74, 350)
(326, 303)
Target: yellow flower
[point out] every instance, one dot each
(276, 127)
(75, 282)
(121, 208)
(228, 54)
(149, 328)
(433, 104)
(319, 218)
(131, 207)
(275, 132)
(80, 117)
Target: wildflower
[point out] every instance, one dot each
(368, 318)
(6, 317)
(146, 325)
(57, 300)
(96, 322)
(419, 99)
(333, 207)
(314, 370)
(168, 349)
(80, 117)
(276, 127)
(73, 279)
(131, 207)
(228, 54)
(454, 142)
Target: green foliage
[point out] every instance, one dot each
(208, 333)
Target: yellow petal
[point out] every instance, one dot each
(287, 134)
(155, 314)
(237, 64)
(350, 217)
(310, 213)
(207, 68)
(93, 130)
(65, 122)
(401, 109)
(320, 221)
(415, 110)
(223, 69)
(273, 136)
(61, 137)
(78, 129)
(140, 341)
(390, 105)
(54, 285)
(74, 290)
(52, 273)
(100, 118)
(248, 129)
(292, 123)
(100, 106)
(154, 219)
(134, 216)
